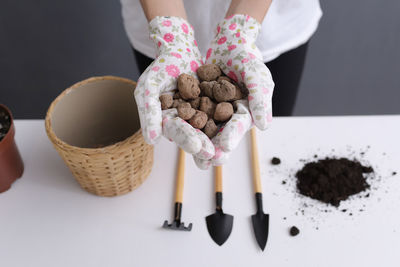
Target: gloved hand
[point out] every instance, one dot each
(177, 53)
(234, 51)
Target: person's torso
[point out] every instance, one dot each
(288, 24)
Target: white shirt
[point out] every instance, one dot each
(288, 24)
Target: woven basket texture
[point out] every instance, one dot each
(106, 171)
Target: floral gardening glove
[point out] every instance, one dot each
(177, 53)
(235, 52)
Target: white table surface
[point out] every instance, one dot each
(46, 219)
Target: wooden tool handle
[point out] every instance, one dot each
(218, 179)
(180, 177)
(255, 161)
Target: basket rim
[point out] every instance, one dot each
(57, 141)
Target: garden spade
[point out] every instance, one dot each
(260, 219)
(177, 224)
(219, 224)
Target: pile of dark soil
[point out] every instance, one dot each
(5, 123)
(332, 180)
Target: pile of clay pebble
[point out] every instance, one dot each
(205, 104)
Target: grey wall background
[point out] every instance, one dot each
(353, 64)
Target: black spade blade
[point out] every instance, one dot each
(261, 227)
(219, 226)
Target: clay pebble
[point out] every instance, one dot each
(166, 101)
(224, 78)
(185, 111)
(224, 91)
(209, 72)
(188, 87)
(223, 111)
(207, 88)
(238, 93)
(199, 120)
(208, 106)
(195, 103)
(177, 102)
(210, 129)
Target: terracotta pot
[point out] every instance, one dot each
(11, 165)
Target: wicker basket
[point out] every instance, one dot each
(95, 128)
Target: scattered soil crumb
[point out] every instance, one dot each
(275, 161)
(294, 231)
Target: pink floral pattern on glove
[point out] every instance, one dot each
(177, 53)
(172, 70)
(234, 50)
